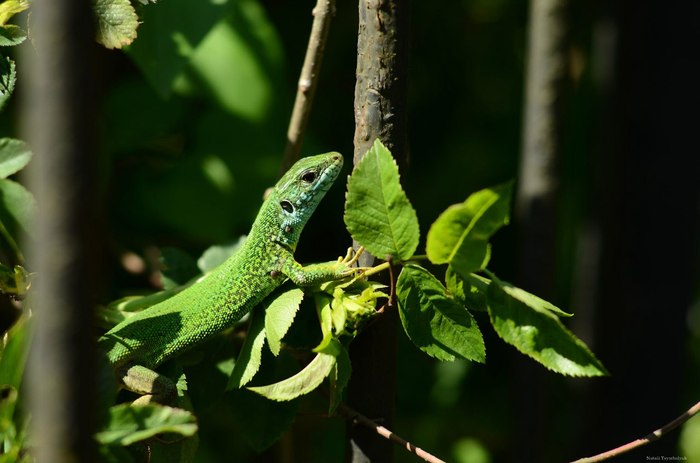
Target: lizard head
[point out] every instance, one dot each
(299, 191)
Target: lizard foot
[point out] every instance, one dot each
(351, 257)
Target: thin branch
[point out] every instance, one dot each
(654, 436)
(376, 269)
(358, 418)
(308, 80)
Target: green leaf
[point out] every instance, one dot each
(13, 356)
(227, 51)
(235, 65)
(116, 23)
(460, 234)
(325, 318)
(338, 378)
(437, 324)
(377, 212)
(303, 382)
(530, 299)
(470, 291)
(11, 35)
(532, 326)
(178, 268)
(279, 316)
(117, 311)
(17, 205)
(456, 285)
(250, 357)
(9, 8)
(351, 307)
(14, 155)
(8, 78)
(170, 36)
(217, 255)
(129, 424)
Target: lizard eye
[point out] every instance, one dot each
(287, 206)
(309, 176)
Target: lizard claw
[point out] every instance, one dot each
(348, 264)
(351, 257)
(356, 273)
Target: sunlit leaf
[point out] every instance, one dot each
(470, 290)
(14, 155)
(11, 35)
(116, 22)
(9, 8)
(531, 325)
(325, 318)
(17, 205)
(438, 325)
(249, 359)
(305, 381)
(377, 212)
(460, 234)
(226, 51)
(279, 315)
(217, 255)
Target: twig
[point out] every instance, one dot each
(376, 269)
(358, 418)
(654, 436)
(392, 282)
(308, 79)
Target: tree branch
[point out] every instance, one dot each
(308, 80)
(654, 436)
(380, 112)
(60, 123)
(358, 418)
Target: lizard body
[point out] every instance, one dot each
(141, 343)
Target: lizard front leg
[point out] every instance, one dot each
(153, 386)
(307, 275)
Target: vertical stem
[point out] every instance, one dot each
(536, 198)
(59, 124)
(380, 101)
(546, 72)
(308, 81)
(380, 89)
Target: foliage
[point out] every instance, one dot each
(436, 321)
(13, 422)
(17, 207)
(116, 22)
(377, 212)
(129, 424)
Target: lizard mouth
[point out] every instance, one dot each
(330, 172)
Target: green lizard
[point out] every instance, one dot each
(138, 345)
